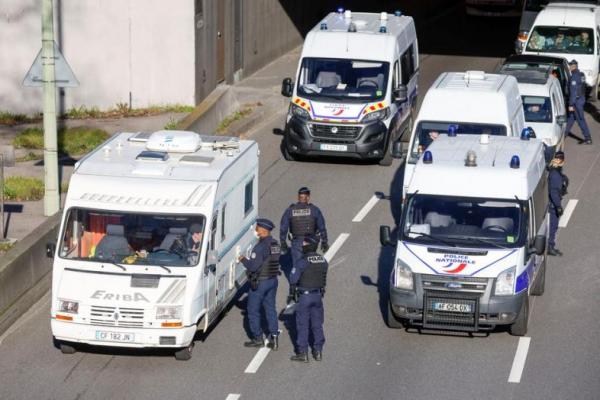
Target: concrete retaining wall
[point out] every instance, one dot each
(25, 272)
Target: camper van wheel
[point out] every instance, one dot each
(519, 327)
(185, 354)
(392, 320)
(67, 349)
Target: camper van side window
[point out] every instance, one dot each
(223, 221)
(408, 64)
(248, 197)
(213, 233)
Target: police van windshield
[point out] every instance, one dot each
(132, 238)
(555, 39)
(537, 109)
(466, 222)
(428, 131)
(329, 79)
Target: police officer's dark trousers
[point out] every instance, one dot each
(577, 115)
(296, 250)
(264, 296)
(553, 226)
(310, 316)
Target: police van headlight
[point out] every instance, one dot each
(168, 312)
(378, 115)
(403, 276)
(505, 282)
(68, 306)
(299, 112)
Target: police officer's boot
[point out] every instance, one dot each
(274, 342)
(553, 251)
(255, 342)
(300, 357)
(317, 355)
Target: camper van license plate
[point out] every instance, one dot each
(462, 308)
(334, 147)
(115, 336)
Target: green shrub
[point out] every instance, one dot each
(32, 138)
(23, 188)
(73, 141)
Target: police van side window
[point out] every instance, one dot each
(408, 64)
(249, 197)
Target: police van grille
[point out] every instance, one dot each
(127, 317)
(454, 284)
(342, 131)
(450, 320)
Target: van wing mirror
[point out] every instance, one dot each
(398, 149)
(211, 262)
(539, 245)
(400, 94)
(50, 249)
(385, 236)
(561, 119)
(287, 87)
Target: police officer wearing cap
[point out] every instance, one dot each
(263, 269)
(302, 219)
(577, 101)
(307, 283)
(557, 187)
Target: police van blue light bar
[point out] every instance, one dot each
(398, 13)
(515, 162)
(340, 10)
(525, 134)
(427, 157)
(452, 129)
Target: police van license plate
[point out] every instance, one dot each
(333, 147)
(106, 336)
(453, 307)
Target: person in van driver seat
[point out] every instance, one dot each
(189, 246)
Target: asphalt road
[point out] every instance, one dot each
(363, 359)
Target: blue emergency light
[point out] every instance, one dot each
(525, 134)
(323, 26)
(382, 29)
(452, 129)
(515, 162)
(531, 132)
(340, 10)
(427, 157)
(398, 13)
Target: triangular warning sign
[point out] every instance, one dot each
(64, 76)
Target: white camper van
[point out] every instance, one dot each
(356, 87)
(471, 244)
(152, 228)
(465, 103)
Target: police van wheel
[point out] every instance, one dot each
(387, 159)
(519, 327)
(393, 321)
(287, 155)
(185, 354)
(540, 283)
(67, 348)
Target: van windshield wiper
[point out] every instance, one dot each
(479, 240)
(427, 235)
(102, 260)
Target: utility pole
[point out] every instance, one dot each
(51, 186)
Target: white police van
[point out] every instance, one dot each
(471, 245)
(466, 103)
(356, 87)
(127, 270)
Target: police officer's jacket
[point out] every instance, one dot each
(310, 273)
(302, 219)
(555, 186)
(576, 87)
(264, 260)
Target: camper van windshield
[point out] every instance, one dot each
(428, 131)
(329, 79)
(463, 221)
(537, 109)
(561, 39)
(132, 238)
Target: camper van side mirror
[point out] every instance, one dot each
(398, 150)
(561, 119)
(50, 249)
(385, 236)
(211, 262)
(401, 94)
(287, 87)
(539, 245)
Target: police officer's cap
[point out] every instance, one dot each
(311, 239)
(304, 190)
(195, 228)
(265, 223)
(573, 62)
(560, 155)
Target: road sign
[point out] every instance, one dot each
(64, 76)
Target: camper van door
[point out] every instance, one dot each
(210, 267)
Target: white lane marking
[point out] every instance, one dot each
(257, 360)
(519, 362)
(336, 246)
(232, 396)
(44, 302)
(365, 210)
(564, 220)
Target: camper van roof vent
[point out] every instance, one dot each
(474, 75)
(152, 156)
(174, 141)
(140, 137)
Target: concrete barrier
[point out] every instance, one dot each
(26, 272)
(211, 111)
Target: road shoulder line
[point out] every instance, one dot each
(366, 208)
(519, 362)
(336, 246)
(564, 220)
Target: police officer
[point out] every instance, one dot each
(307, 283)
(557, 186)
(302, 219)
(577, 101)
(263, 269)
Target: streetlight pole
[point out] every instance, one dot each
(51, 191)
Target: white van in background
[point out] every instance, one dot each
(128, 270)
(571, 30)
(356, 87)
(471, 245)
(467, 103)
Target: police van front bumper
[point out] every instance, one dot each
(481, 310)
(98, 335)
(310, 138)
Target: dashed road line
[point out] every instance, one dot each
(233, 396)
(519, 362)
(564, 220)
(257, 360)
(336, 246)
(365, 210)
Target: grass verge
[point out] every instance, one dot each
(23, 188)
(230, 119)
(72, 141)
(123, 110)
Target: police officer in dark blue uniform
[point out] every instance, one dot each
(302, 219)
(577, 101)
(263, 269)
(307, 284)
(557, 187)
